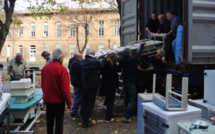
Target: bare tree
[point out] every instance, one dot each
(83, 18)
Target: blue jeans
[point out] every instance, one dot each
(77, 100)
(149, 36)
(130, 91)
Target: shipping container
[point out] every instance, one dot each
(198, 47)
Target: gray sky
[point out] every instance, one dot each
(22, 4)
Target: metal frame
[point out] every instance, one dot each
(169, 94)
(27, 114)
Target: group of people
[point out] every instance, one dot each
(86, 76)
(167, 26)
(55, 85)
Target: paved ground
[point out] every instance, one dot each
(72, 125)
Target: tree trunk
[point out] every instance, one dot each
(86, 37)
(119, 10)
(5, 27)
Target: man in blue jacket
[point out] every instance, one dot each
(129, 65)
(75, 77)
(90, 68)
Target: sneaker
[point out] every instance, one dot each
(111, 120)
(126, 120)
(75, 115)
(104, 107)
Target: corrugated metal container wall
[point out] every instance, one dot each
(159, 6)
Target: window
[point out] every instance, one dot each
(100, 48)
(32, 53)
(8, 50)
(87, 28)
(58, 30)
(45, 47)
(45, 29)
(58, 46)
(72, 28)
(116, 27)
(20, 49)
(101, 28)
(71, 50)
(21, 31)
(33, 29)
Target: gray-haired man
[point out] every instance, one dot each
(90, 79)
(16, 67)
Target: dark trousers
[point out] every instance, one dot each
(130, 91)
(168, 48)
(109, 101)
(77, 100)
(87, 104)
(55, 115)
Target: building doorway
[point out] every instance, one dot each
(33, 53)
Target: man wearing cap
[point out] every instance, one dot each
(46, 56)
(129, 65)
(16, 67)
(56, 91)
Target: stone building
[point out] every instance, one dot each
(36, 35)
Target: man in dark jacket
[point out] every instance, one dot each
(75, 77)
(129, 65)
(152, 25)
(90, 68)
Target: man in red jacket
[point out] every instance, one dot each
(56, 91)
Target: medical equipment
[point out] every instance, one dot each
(22, 90)
(159, 121)
(150, 48)
(25, 106)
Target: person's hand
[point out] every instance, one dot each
(163, 59)
(152, 34)
(69, 107)
(164, 36)
(28, 74)
(106, 55)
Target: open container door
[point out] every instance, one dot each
(128, 21)
(201, 32)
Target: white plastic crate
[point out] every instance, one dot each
(21, 84)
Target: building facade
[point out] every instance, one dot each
(36, 35)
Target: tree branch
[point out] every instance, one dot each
(6, 5)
